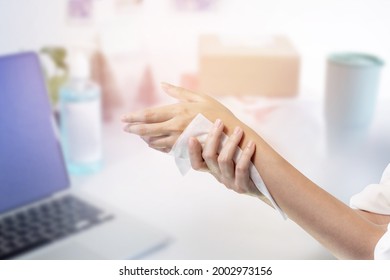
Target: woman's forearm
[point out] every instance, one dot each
(339, 228)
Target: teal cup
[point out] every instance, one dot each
(352, 82)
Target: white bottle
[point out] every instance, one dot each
(81, 119)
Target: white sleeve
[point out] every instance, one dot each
(382, 248)
(376, 198)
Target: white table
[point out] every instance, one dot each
(206, 220)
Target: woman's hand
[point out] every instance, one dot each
(234, 176)
(160, 127)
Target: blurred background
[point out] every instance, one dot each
(266, 60)
(165, 34)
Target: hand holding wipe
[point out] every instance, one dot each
(199, 128)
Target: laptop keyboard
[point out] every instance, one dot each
(45, 223)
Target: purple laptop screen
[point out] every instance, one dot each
(31, 162)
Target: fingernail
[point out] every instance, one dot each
(191, 141)
(237, 130)
(123, 118)
(217, 123)
(250, 144)
(165, 85)
(127, 128)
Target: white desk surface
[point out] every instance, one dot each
(208, 221)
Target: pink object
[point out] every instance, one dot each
(146, 95)
(189, 81)
(80, 9)
(104, 76)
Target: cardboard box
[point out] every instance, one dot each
(267, 68)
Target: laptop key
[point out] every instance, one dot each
(12, 252)
(46, 223)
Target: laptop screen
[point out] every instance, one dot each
(31, 161)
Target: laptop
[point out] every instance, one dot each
(41, 216)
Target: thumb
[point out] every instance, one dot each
(180, 93)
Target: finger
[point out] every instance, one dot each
(151, 115)
(163, 141)
(242, 167)
(170, 127)
(225, 158)
(211, 147)
(180, 93)
(163, 150)
(147, 129)
(149, 139)
(195, 152)
(160, 149)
